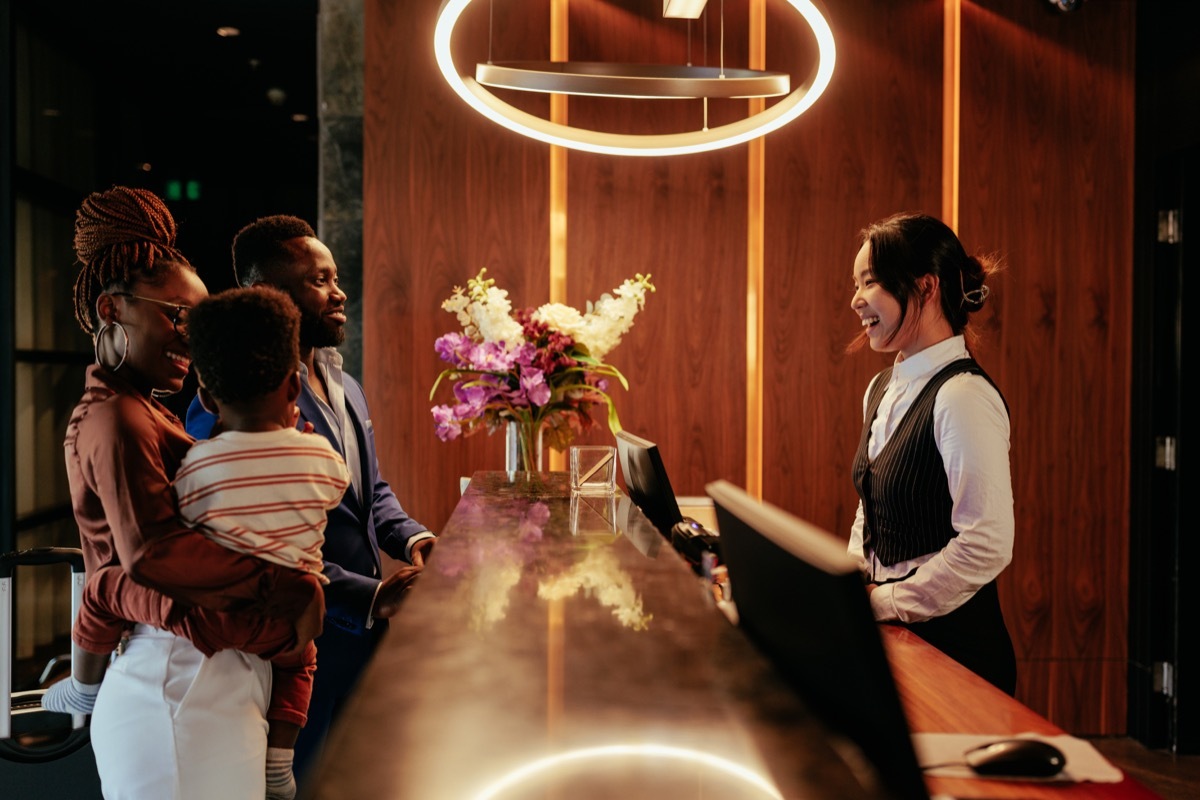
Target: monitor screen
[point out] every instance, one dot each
(646, 481)
(801, 600)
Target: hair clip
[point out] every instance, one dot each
(976, 296)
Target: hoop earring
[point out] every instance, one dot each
(100, 335)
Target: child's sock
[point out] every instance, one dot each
(71, 697)
(281, 784)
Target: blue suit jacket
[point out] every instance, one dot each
(356, 531)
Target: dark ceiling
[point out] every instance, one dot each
(175, 102)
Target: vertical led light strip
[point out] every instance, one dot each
(555, 669)
(755, 188)
(558, 185)
(951, 88)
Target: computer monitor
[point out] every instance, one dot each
(648, 486)
(646, 481)
(801, 600)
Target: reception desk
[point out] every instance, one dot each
(545, 627)
(557, 647)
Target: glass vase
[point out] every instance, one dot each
(523, 447)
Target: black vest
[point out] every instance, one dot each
(905, 496)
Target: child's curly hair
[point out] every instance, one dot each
(244, 342)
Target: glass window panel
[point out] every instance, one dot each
(42, 603)
(45, 275)
(46, 394)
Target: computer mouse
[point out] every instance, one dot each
(693, 540)
(1016, 758)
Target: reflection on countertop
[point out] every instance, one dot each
(556, 649)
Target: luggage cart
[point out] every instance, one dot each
(42, 754)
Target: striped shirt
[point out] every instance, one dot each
(263, 493)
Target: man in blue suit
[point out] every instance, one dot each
(284, 252)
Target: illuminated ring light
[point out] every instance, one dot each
(531, 769)
(623, 144)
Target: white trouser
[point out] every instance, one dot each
(170, 724)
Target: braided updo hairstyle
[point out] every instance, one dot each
(907, 247)
(121, 236)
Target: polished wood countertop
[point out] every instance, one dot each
(940, 695)
(549, 627)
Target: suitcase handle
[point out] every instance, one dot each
(72, 556)
(41, 555)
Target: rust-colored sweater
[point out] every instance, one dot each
(145, 565)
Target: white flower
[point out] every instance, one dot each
(487, 318)
(493, 319)
(601, 328)
(561, 318)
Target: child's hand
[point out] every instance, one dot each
(308, 426)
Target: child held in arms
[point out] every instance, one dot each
(261, 487)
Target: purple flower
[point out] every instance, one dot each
(452, 347)
(472, 399)
(525, 355)
(491, 356)
(534, 386)
(445, 424)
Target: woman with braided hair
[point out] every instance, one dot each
(168, 722)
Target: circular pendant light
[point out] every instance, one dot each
(636, 81)
(476, 95)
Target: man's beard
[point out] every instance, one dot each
(316, 331)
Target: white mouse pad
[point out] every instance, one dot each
(1084, 762)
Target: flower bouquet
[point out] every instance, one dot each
(542, 368)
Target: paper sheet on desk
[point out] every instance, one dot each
(1084, 762)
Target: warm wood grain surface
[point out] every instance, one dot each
(1047, 183)
(445, 194)
(869, 148)
(941, 696)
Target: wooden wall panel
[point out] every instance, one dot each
(681, 219)
(685, 357)
(1047, 180)
(870, 147)
(445, 193)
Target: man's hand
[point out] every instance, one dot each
(421, 551)
(391, 591)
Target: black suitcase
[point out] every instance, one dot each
(43, 755)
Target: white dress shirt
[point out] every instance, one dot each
(328, 363)
(971, 428)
